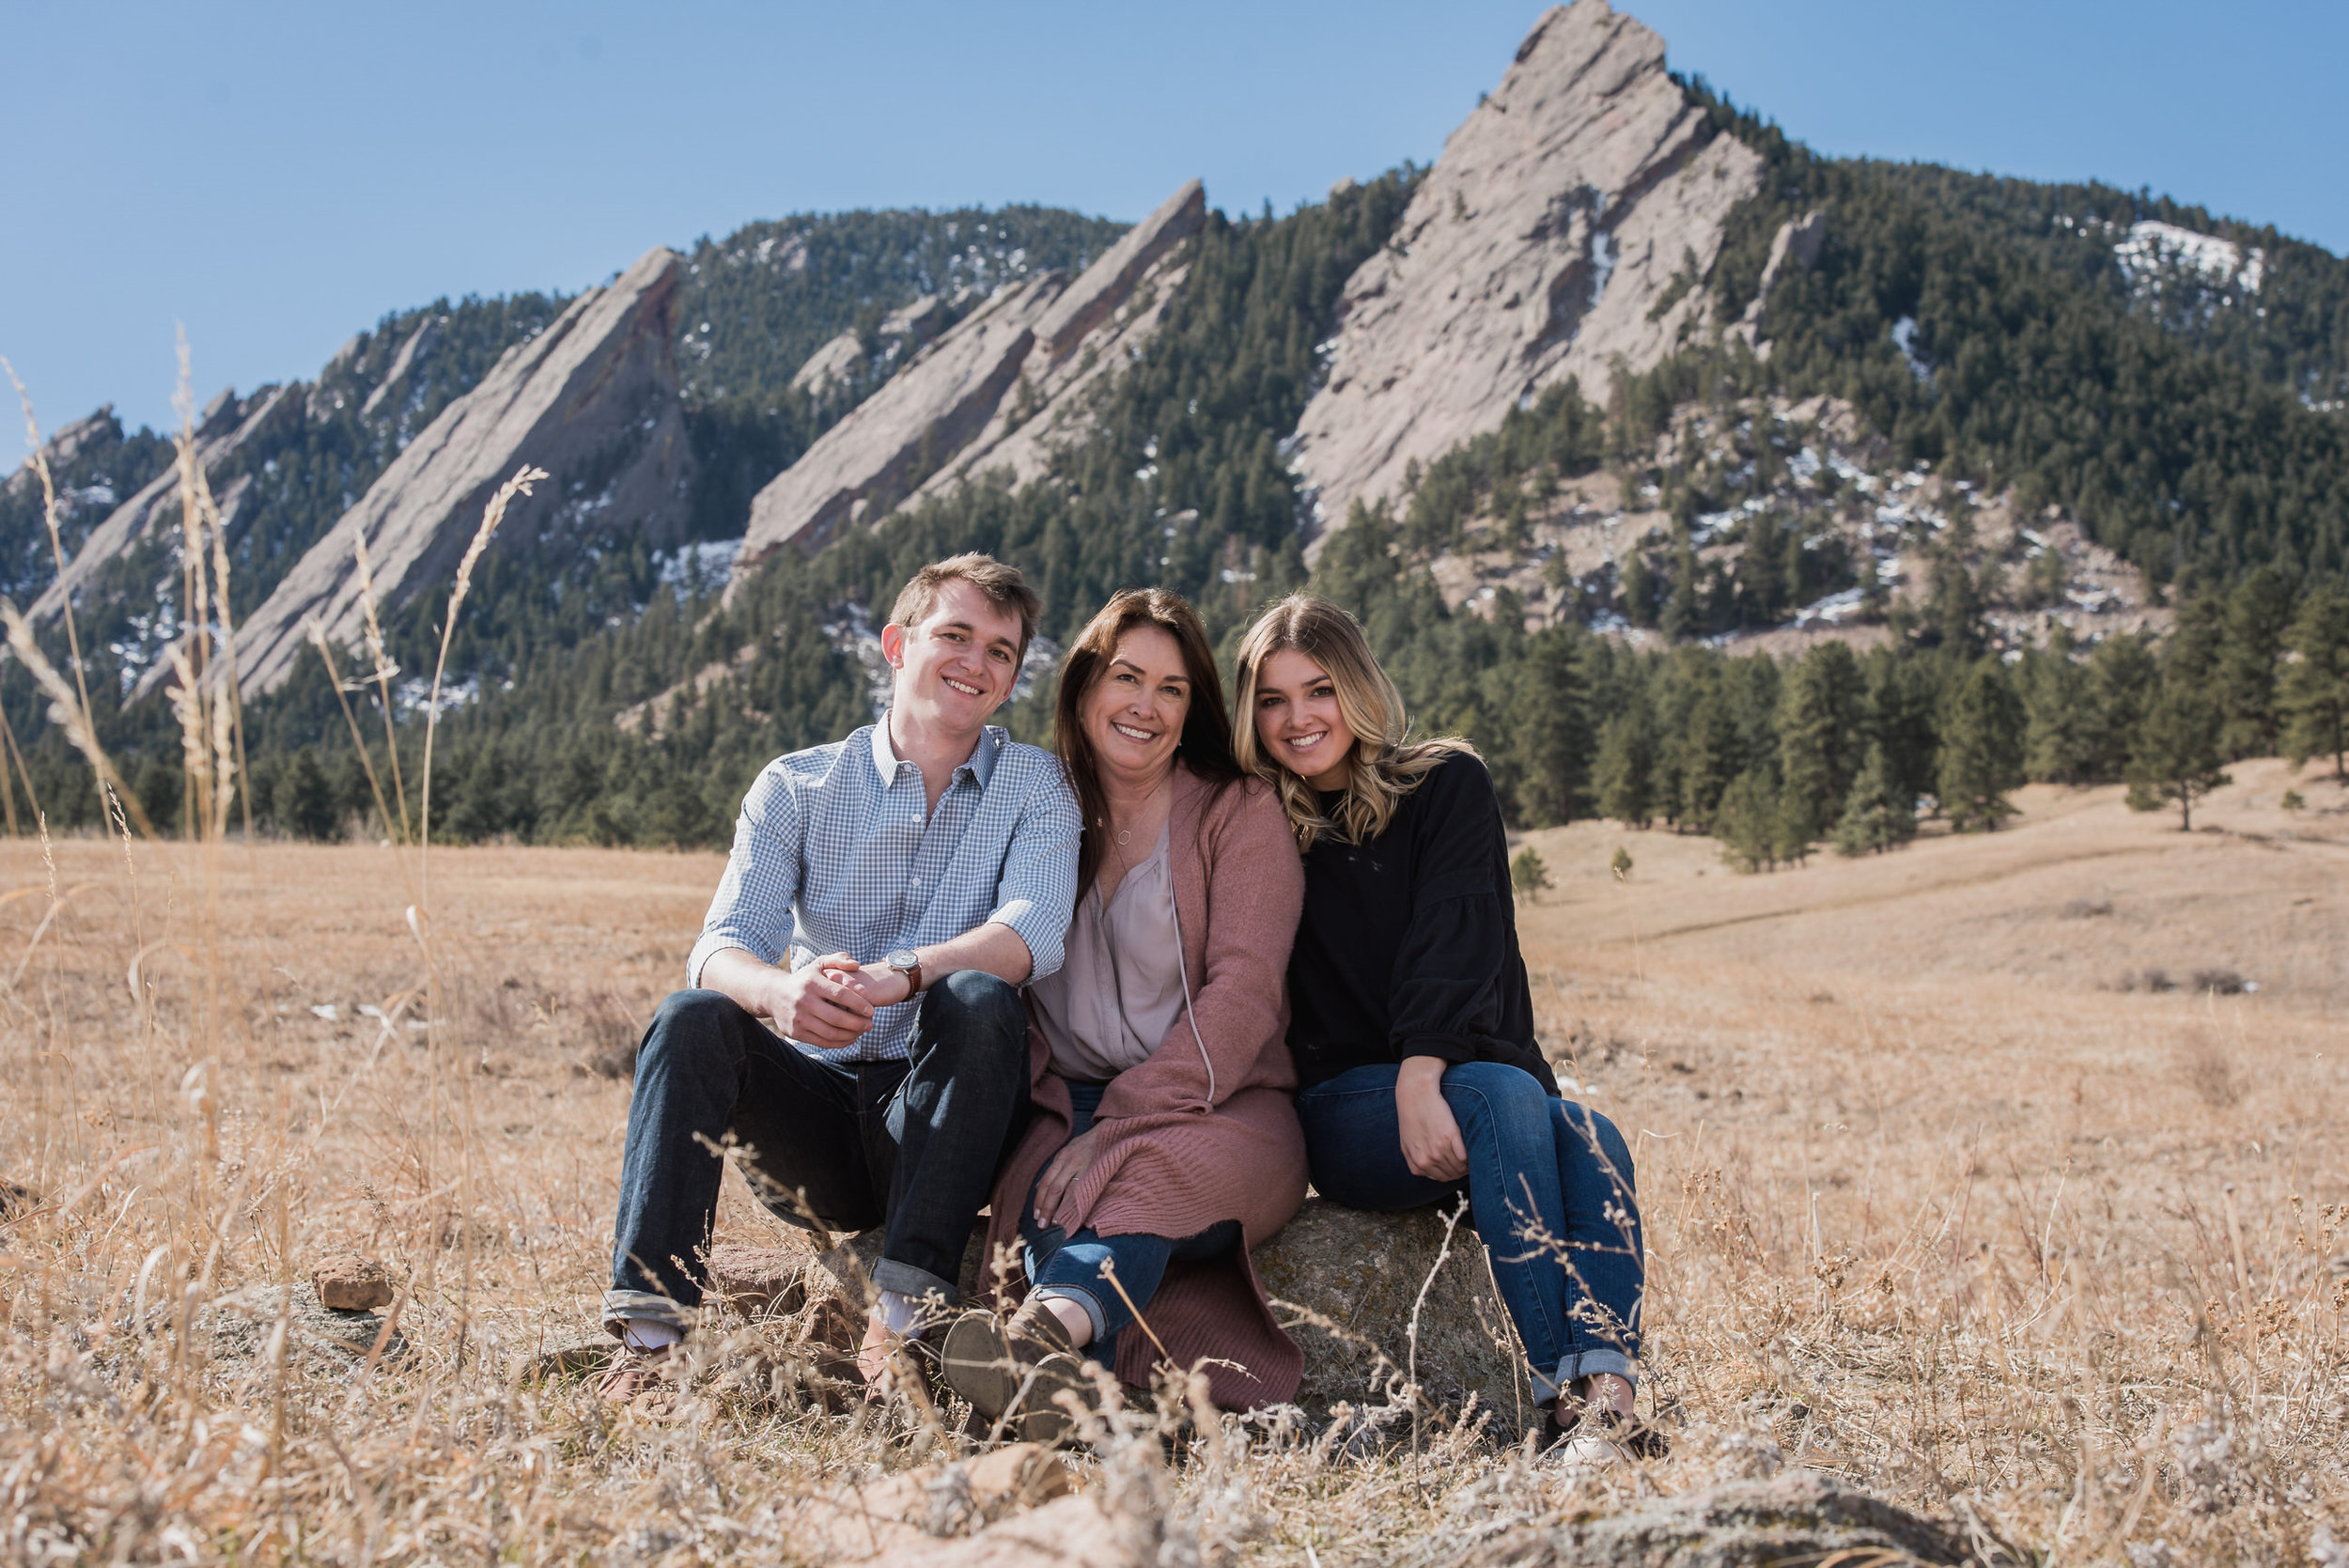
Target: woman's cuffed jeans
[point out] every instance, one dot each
(1110, 1277)
(1551, 1193)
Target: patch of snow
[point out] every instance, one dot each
(1830, 611)
(697, 567)
(1905, 339)
(1604, 253)
(2152, 248)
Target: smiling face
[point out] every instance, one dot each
(1134, 710)
(1297, 720)
(958, 664)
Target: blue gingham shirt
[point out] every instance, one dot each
(832, 854)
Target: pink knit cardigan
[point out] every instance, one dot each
(1169, 1159)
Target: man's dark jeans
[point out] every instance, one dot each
(913, 1145)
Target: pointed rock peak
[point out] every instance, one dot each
(1563, 231)
(1100, 288)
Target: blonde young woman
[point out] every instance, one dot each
(1413, 1022)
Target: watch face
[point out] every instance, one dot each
(902, 959)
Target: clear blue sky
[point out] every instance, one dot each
(278, 176)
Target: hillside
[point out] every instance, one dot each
(1608, 424)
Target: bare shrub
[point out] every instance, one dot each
(2207, 1070)
(2226, 982)
(611, 1032)
(2085, 909)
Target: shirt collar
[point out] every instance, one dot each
(980, 764)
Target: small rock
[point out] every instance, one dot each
(1068, 1530)
(910, 1509)
(1801, 1516)
(353, 1284)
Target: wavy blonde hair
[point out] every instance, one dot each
(1385, 765)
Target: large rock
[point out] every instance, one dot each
(999, 390)
(593, 400)
(1539, 247)
(1344, 1282)
(1799, 1518)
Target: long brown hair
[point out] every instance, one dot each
(1206, 746)
(1385, 767)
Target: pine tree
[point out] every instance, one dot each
(2122, 677)
(2177, 756)
(1876, 814)
(2315, 689)
(303, 800)
(1982, 749)
(2059, 721)
(1549, 725)
(1682, 615)
(1638, 591)
(1822, 710)
(1626, 769)
(1747, 822)
(2259, 617)
(1903, 695)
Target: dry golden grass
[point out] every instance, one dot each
(1932, 1203)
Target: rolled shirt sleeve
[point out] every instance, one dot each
(1037, 894)
(752, 909)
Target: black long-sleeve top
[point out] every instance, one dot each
(1408, 945)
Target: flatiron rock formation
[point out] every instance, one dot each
(593, 400)
(1562, 214)
(997, 390)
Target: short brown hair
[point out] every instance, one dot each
(999, 584)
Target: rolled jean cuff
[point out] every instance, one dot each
(915, 1284)
(1585, 1363)
(1082, 1298)
(642, 1306)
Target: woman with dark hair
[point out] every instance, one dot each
(1164, 1143)
(1414, 1024)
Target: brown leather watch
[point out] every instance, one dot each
(905, 962)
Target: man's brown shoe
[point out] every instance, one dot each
(645, 1381)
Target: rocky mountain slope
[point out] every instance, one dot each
(1561, 235)
(997, 391)
(593, 400)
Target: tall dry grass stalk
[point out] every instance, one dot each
(491, 515)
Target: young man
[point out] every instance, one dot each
(885, 898)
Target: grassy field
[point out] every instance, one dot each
(1946, 1193)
